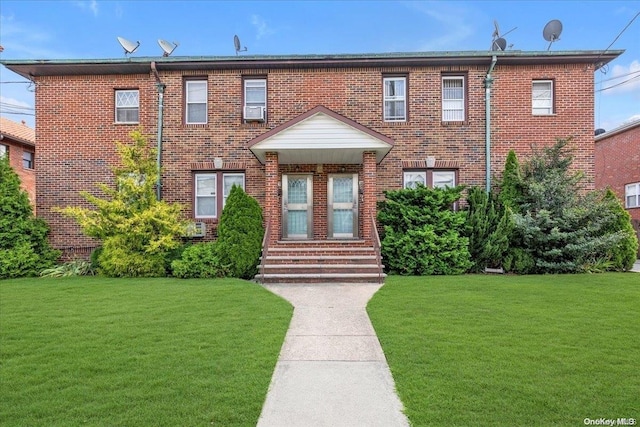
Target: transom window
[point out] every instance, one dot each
(453, 99)
(632, 195)
(196, 101)
(127, 106)
(395, 102)
(542, 97)
(255, 99)
(27, 159)
(429, 178)
(208, 188)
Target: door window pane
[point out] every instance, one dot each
(297, 188)
(343, 190)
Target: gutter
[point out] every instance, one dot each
(161, 86)
(488, 82)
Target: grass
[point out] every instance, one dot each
(144, 352)
(507, 350)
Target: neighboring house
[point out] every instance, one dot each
(18, 141)
(316, 139)
(617, 160)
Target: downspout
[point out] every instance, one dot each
(160, 86)
(488, 82)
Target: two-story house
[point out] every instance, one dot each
(18, 142)
(316, 139)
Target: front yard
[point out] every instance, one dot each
(143, 352)
(509, 350)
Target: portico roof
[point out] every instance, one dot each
(321, 136)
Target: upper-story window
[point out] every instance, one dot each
(395, 99)
(453, 99)
(127, 106)
(4, 150)
(542, 97)
(208, 188)
(196, 101)
(27, 159)
(255, 99)
(632, 195)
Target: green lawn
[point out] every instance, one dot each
(144, 352)
(512, 351)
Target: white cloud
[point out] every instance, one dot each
(452, 22)
(91, 6)
(22, 40)
(623, 79)
(15, 103)
(261, 26)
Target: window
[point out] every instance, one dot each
(430, 178)
(27, 160)
(453, 99)
(127, 106)
(632, 195)
(196, 100)
(4, 150)
(255, 99)
(542, 97)
(207, 188)
(395, 106)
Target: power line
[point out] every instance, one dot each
(618, 84)
(620, 76)
(617, 37)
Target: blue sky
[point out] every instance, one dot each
(88, 30)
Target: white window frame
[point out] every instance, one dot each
(123, 108)
(255, 84)
(453, 108)
(394, 98)
(29, 158)
(542, 97)
(411, 178)
(4, 150)
(189, 101)
(198, 197)
(225, 193)
(441, 176)
(632, 195)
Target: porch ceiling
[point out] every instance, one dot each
(321, 136)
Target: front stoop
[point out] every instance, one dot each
(320, 261)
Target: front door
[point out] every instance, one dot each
(297, 206)
(342, 206)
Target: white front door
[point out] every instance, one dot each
(342, 206)
(297, 206)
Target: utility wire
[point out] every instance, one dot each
(617, 37)
(618, 84)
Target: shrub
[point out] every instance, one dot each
(240, 234)
(623, 254)
(422, 233)
(24, 249)
(199, 261)
(138, 232)
(78, 267)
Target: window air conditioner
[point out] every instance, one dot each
(254, 113)
(196, 229)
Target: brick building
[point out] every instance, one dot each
(617, 162)
(315, 139)
(18, 141)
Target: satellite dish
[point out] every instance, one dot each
(128, 46)
(499, 44)
(167, 47)
(551, 32)
(599, 131)
(236, 44)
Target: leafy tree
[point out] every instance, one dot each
(138, 232)
(240, 234)
(24, 249)
(488, 228)
(422, 233)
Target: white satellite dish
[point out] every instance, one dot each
(128, 46)
(167, 47)
(236, 44)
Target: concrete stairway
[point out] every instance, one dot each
(320, 261)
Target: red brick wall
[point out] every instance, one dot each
(75, 127)
(617, 163)
(27, 176)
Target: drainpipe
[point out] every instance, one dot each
(488, 82)
(160, 86)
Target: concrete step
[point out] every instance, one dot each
(320, 259)
(320, 268)
(321, 278)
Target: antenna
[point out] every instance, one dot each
(551, 32)
(499, 42)
(167, 47)
(128, 46)
(236, 44)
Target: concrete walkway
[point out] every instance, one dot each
(636, 266)
(331, 370)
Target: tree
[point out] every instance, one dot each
(240, 234)
(510, 195)
(137, 231)
(24, 248)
